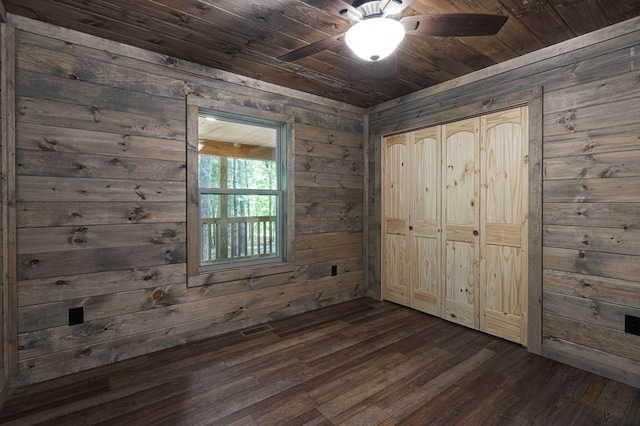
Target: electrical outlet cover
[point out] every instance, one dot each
(632, 325)
(76, 316)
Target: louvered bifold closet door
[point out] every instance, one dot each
(461, 217)
(504, 200)
(395, 219)
(425, 221)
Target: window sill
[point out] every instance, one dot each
(239, 272)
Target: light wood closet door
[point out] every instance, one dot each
(504, 215)
(395, 219)
(454, 222)
(461, 217)
(425, 221)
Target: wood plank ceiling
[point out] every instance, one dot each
(245, 37)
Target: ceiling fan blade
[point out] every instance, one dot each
(337, 7)
(453, 24)
(313, 48)
(393, 7)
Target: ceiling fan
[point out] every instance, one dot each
(378, 27)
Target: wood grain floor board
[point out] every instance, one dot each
(567, 385)
(163, 392)
(43, 400)
(285, 410)
(614, 398)
(632, 414)
(309, 418)
(402, 389)
(363, 414)
(406, 386)
(511, 358)
(353, 394)
(592, 394)
(188, 408)
(427, 392)
(534, 373)
(495, 408)
(362, 362)
(332, 344)
(202, 365)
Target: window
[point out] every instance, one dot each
(239, 207)
(239, 182)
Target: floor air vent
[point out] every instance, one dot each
(256, 330)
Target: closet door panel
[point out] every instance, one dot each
(461, 283)
(504, 221)
(395, 220)
(395, 179)
(425, 221)
(503, 234)
(396, 271)
(461, 219)
(503, 307)
(460, 173)
(425, 175)
(425, 294)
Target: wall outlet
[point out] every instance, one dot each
(334, 270)
(76, 316)
(632, 325)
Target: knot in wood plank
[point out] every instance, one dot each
(157, 294)
(96, 114)
(137, 214)
(48, 145)
(567, 119)
(78, 237)
(139, 193)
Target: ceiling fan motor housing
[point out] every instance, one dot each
(370, 9)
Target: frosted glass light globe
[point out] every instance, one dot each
(374, 39)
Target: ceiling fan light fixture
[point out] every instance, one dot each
(373, 39)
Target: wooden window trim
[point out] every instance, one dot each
(244, 270)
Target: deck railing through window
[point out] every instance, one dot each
(238, 238)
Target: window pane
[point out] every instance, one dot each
(248, 230)
(236, 154)
(251, 174)
(240, 173)
(237, 158)
(208, 171)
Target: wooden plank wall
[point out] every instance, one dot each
(591, 189)
(8, 326)
(3, 374)
(6, 52)
(101, 201)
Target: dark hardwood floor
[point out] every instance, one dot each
(359, 363)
